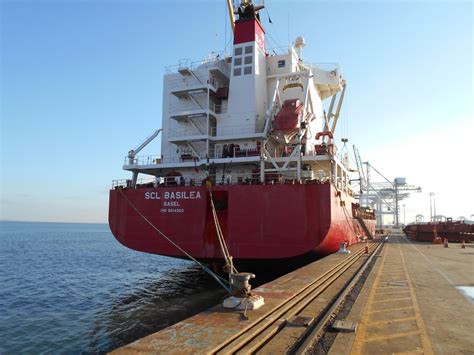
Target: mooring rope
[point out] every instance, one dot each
(220, 237)
(206, 269)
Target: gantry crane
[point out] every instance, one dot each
(382, 196)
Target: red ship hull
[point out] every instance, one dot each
(258, 221)
(454, 231)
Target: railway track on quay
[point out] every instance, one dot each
(299, 322)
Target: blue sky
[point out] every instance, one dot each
(81, 84)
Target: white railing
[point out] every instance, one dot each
(216, 153)
(144, 160)
(185, 106)
(212, 61)
(128, 182)
(321, 65)
(325, 66)
(191, 82)
(185, 132)
(278, 50)
(191, 106)
(216, 63)
(159, 159)
(218, 108)
(218, 179)
(232, 131)
(234, 151)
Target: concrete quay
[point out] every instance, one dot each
(413, 298)
(412, 304)
(291, 303)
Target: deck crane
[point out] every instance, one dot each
(334, 116)
(133, 153)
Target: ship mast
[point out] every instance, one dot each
(246, 10)
(230, 8)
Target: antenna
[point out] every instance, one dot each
(268, 14)
(225, 39)
(288, 29)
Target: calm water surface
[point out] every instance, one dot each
(74, 288)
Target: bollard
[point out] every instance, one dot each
(240, 286)
(342, 248)
(437, 240)
(242, 298)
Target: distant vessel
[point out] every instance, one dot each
(250, 129)
(454, 231)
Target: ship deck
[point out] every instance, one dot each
(406, 300)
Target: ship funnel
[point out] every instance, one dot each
(299, 44)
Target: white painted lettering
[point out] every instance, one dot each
(152, 195)
(171, 204)
(173, 195)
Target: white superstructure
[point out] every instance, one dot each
(219, 117)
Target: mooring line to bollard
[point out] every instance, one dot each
(202, 266)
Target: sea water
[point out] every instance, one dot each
(72, 288)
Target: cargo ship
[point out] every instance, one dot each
(453, 231)
(248, 138)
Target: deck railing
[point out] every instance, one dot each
(152, 159)
(232, 130)
(191, 106)
(217, 180)
(212, 61)
(128, 182)
(237, 151)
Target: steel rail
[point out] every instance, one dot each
(272, 330)
(308, 339)
(269, 319)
